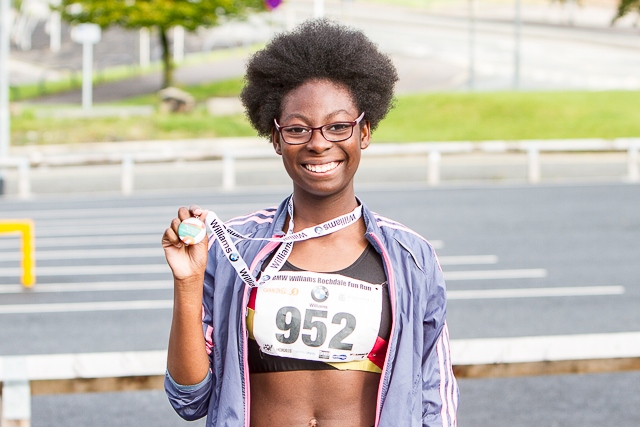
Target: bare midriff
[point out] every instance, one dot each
(314, 399)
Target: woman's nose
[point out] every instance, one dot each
(318, 142)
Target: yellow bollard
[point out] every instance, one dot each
(26, 228)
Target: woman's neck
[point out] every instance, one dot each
(310, 210)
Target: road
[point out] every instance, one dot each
(103, 286)
(430, 47)
(434, 52)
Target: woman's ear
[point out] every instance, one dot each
(365, 134)
(275, 141)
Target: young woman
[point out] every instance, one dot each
(317, 312)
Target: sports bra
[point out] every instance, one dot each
(368, 268)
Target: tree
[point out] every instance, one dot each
(159, 14)
(627, 6)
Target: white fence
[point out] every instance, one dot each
(22, 376)
(24, 167)
(434, 151)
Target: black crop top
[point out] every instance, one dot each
(368, 268)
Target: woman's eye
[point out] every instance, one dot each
(338, 127)
(296, 129)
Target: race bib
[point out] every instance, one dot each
(317, 316)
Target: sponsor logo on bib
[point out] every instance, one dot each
(320, 294)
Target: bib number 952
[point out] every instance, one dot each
(289, 319)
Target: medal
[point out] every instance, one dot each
(191, 231)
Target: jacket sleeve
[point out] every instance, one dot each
(439, 387)
(191, 402)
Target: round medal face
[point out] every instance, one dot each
(192, 231)
(320, 294)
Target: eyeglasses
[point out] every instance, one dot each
(333, 132)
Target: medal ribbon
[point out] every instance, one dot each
(215, 227)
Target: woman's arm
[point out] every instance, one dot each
(439, 387)
(187, 361)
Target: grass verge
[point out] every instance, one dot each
(512, 116)
(420, 117)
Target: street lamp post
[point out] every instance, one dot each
(318, 8)
(518, 45)
(473, 12)
(5, 120)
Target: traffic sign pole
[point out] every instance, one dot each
(5, 120)
(87, 35)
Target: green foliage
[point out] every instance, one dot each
(627, 6)
(190, 14)
(624, 7)
(160, 14)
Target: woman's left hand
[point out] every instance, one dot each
(187, 262)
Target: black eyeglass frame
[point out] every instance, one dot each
(318, 128)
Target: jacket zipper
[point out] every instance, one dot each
(392, 296)
(262, 254)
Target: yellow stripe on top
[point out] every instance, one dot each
(356, 365)
(250, 314)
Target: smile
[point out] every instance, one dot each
(322, 168)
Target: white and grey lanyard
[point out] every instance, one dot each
(224, 235)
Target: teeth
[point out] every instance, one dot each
(322, 168)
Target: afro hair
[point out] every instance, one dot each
(318, 49)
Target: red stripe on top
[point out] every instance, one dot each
(252, 299)
(378, 352)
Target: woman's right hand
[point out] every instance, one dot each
(187, 262)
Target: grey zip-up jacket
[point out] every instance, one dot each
(417, 386)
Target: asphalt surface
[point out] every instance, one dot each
(578, 236)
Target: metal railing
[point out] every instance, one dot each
(434, 151)
(23, 376)
(23, 165)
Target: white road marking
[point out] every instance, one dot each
(164, 268)
(85, 306)
(163, 304)
(468, 259)
(88, 287)
(90, 254)
(57, 242)
(140, 227)
(535, 273)
(132, 212)
(78, 270)
(80, 254)
(536, 292)
(481, 351)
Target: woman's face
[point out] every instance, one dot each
(321, 168)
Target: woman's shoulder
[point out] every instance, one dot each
(397, 229)
(261, 217)
(398, 235)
